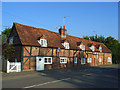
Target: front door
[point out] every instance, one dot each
(39, 63)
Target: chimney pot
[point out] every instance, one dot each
(64, 27)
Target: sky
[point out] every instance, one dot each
(82, 18)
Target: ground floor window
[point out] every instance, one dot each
(89, 60)
(82, 60)
(75, 59)
(63, 59)
(109, 59)
(47, 60)
(100, 59)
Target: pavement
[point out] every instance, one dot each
(104, 76)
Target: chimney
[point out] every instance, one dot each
(62, 32)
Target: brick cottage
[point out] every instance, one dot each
(39, 49)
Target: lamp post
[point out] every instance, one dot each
(58, 50)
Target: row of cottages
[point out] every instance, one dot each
(40, 49)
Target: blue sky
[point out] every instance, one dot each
(82, 18)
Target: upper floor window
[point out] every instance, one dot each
(92, 48)
(66, 45)
(82, 47)
(109, 59)
(43, 42)
(75, 59)
(10, 40)
(100, 49)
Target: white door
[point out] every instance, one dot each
(39, 63)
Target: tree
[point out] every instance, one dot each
(111, 43)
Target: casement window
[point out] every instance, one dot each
(47, 60)
(83, 61)
(92, 48)
(100, 49)
(43, 42)
(75, 59)
(63, 60)
(109, 59)
(82, 47)
(89, 60)
(100, 59)
(10, 40)
(66, 45)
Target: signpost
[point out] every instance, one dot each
(58, 51)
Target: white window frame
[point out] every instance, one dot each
(75, 59)
(109, 59)
(100, 60)
(65, 59)
(84, 61)
(92, 48)
(48, 60)
(82, 47)
(44, 42)
(89, 60)
(100, 49)
(66, 45)
(11, 39)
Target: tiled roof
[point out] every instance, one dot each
(29, 36)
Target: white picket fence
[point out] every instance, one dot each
(13, 66)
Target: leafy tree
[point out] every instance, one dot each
(7, 32)
(8, 51)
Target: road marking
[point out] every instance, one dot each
(47, 83)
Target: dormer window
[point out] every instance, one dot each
(43, 42)
(10, 40)
(82, 47)
(92, 48)
(66, 45)
(100, 49)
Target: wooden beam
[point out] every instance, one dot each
(48, 50)
(27, 50)
(30, 56)
(21, 57)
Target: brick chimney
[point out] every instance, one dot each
(62, 32)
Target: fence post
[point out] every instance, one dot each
(8, 64)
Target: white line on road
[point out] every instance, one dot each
(47, 83)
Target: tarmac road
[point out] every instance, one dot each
(87, 77)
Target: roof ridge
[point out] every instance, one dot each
(56, 32)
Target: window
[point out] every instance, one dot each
(10, 40)
(100, 49)
(43, 42)
(82, 60)
(47, 60)
(109, 59)
(89, 60)
(66, 45)
(63, 60)
(100, 59)
(75, 60)
(82, 47)
(92, 48)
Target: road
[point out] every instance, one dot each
(88, 77)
